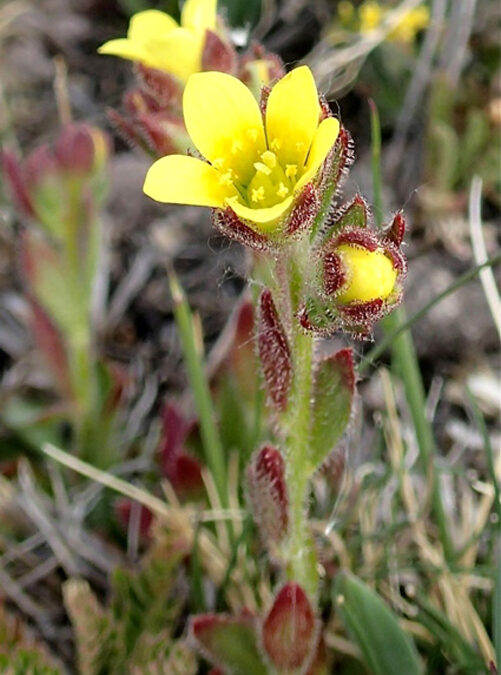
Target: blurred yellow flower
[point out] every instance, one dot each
(157, 41)
(255, 168)
(414, 21)
(370, 275)
(371, 14)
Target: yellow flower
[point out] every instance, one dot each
(157, 41)
(370, 275)
(257, 168)
(413, 22)
(370, 14)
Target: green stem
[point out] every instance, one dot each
(300, 552)
(406, 363)
(290, 272)
(199, 386)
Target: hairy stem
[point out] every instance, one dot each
(300, 551)
(295, 420)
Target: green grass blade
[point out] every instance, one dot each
(386, 648)
(496, 602)
(386, 342)
(193, 357)
(406, 363)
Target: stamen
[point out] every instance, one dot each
(282, 191)
(269, 158)
(218, 163)
(290, 170)
(262, 168)
(226, 178)
(300, 146)
(252, 134)
(236, 147)
(257, 195)
(275, 144)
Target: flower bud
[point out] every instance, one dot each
(39, 184)
(267, 493)
(81, 149)
(290, 630)
(359, 274)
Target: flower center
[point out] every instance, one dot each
(271, 183)
(262, 183)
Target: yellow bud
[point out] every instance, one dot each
(370, 274)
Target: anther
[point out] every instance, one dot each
(257, 195)
(290, 170)
(262, 168)
(282, 191)
(269, 158)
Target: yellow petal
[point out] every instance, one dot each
(178, 53)
(266, 219)
(292, 115)
(126, 49)
(224, 122)
(199, 15)
(150, 24)
(324, 139)
(371, 275)
(177, 179)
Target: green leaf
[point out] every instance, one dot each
(332, 396)
(229, 641)
(385, 647)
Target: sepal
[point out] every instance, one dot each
(217, 54)
(274, 352)
(290, 630)
(267, 495)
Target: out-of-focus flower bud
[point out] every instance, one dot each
(274, 352)
(40, 183)
(259, 67)
(267, 494)
(81, 149)
(183, 471)
(290, 631)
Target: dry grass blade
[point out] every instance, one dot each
(326, 61)
(480, 252)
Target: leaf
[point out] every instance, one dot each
(229, 642)
(332, 396)
(385, 647)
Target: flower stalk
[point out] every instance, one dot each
(300, 553)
